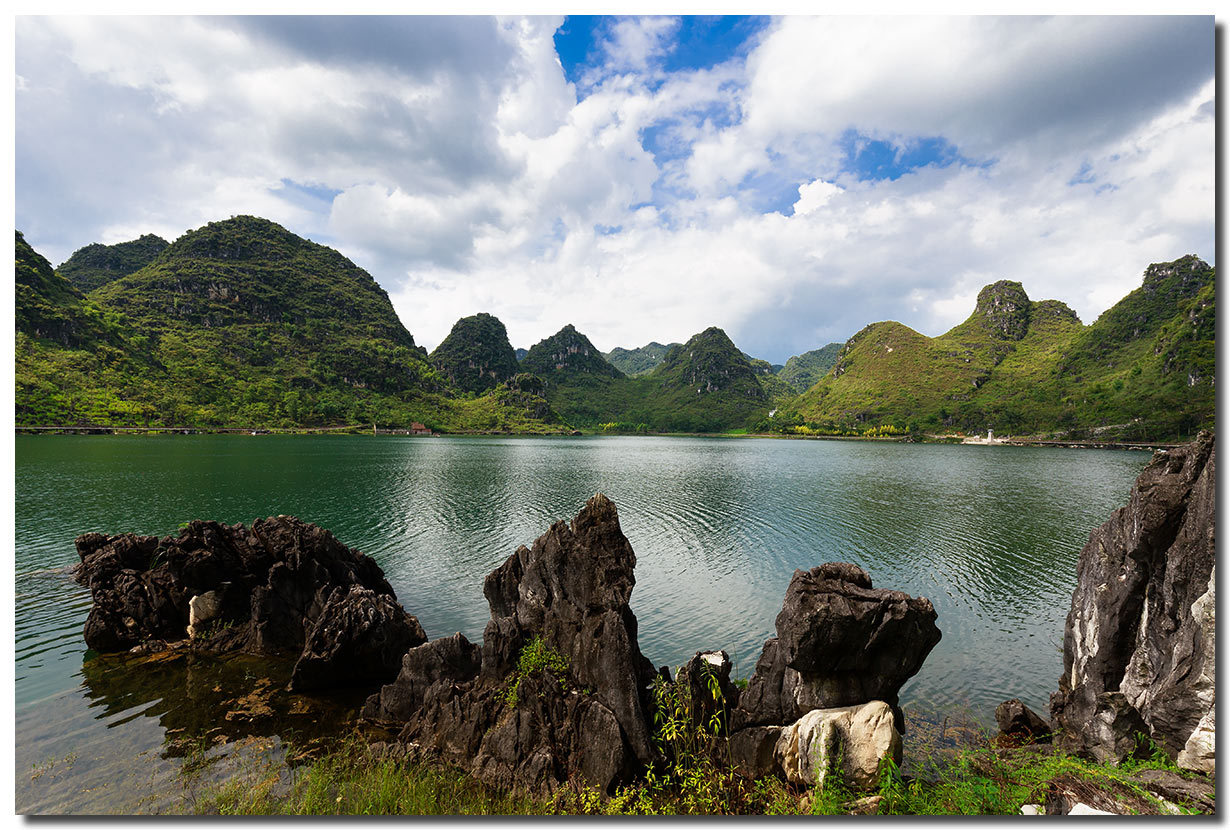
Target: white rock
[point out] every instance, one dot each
(1031, 809)
(856, 736)
(1083, 809)
(201, 609)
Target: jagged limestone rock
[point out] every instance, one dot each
(1140, 639)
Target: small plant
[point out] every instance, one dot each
(535, 656)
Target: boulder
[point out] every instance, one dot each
(560, 690)
(1017, 720)
(840, 642)
(850, 741)
(271, 589)
(359, 639)
(1140, 638)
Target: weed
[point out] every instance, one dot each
(535, 656)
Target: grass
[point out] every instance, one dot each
(350, 779)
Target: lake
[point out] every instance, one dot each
(989, 534)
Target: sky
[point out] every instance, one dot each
(643, 178)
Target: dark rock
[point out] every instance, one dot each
(589, 722)
(358, 640)
(447, 660)
(840, 642)
(1018, 720)
(1139, 644)
(751, 750)
(712, 697)
(268, 589)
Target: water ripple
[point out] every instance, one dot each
(990, 535)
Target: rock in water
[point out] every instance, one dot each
(1018, 720)
(523, 723)
(1139, 644)
(270, 589)
(358, 640)
(839, 642)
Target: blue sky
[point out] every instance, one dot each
(788, 179)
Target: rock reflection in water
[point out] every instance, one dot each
(173, 722)
(198, 697)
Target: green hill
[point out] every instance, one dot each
(47, 307)
(476, 355)
(803, 370)
(704, 385)
(96, 265)
(565, 355)
(634, 362)
(246, 324)
(1143, 370)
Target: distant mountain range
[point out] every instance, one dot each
(243, 323)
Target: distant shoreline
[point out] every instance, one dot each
(1139, 446)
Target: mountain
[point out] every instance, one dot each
(521, 353)
(476, 355)
(706, 385)
(565, 354)
(246, 324)
(1143, 370)
(48, 307)
(803, 370)
(761, 366)
(634, 362)
(96, 265)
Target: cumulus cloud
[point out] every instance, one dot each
(453, 159)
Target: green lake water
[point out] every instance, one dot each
(990, 534)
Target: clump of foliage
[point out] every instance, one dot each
(535, 657)
(622, 428)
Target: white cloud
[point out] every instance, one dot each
(453, 159)
(814, 195)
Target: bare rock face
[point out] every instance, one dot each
(839, 642)
(269, 589)
(1140, 639)
(849, 741)
(582, 714)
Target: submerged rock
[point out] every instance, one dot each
(839, 642)
(559, 690)
(1140, 639)
(271, 589)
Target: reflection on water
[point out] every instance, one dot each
(989, 534)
